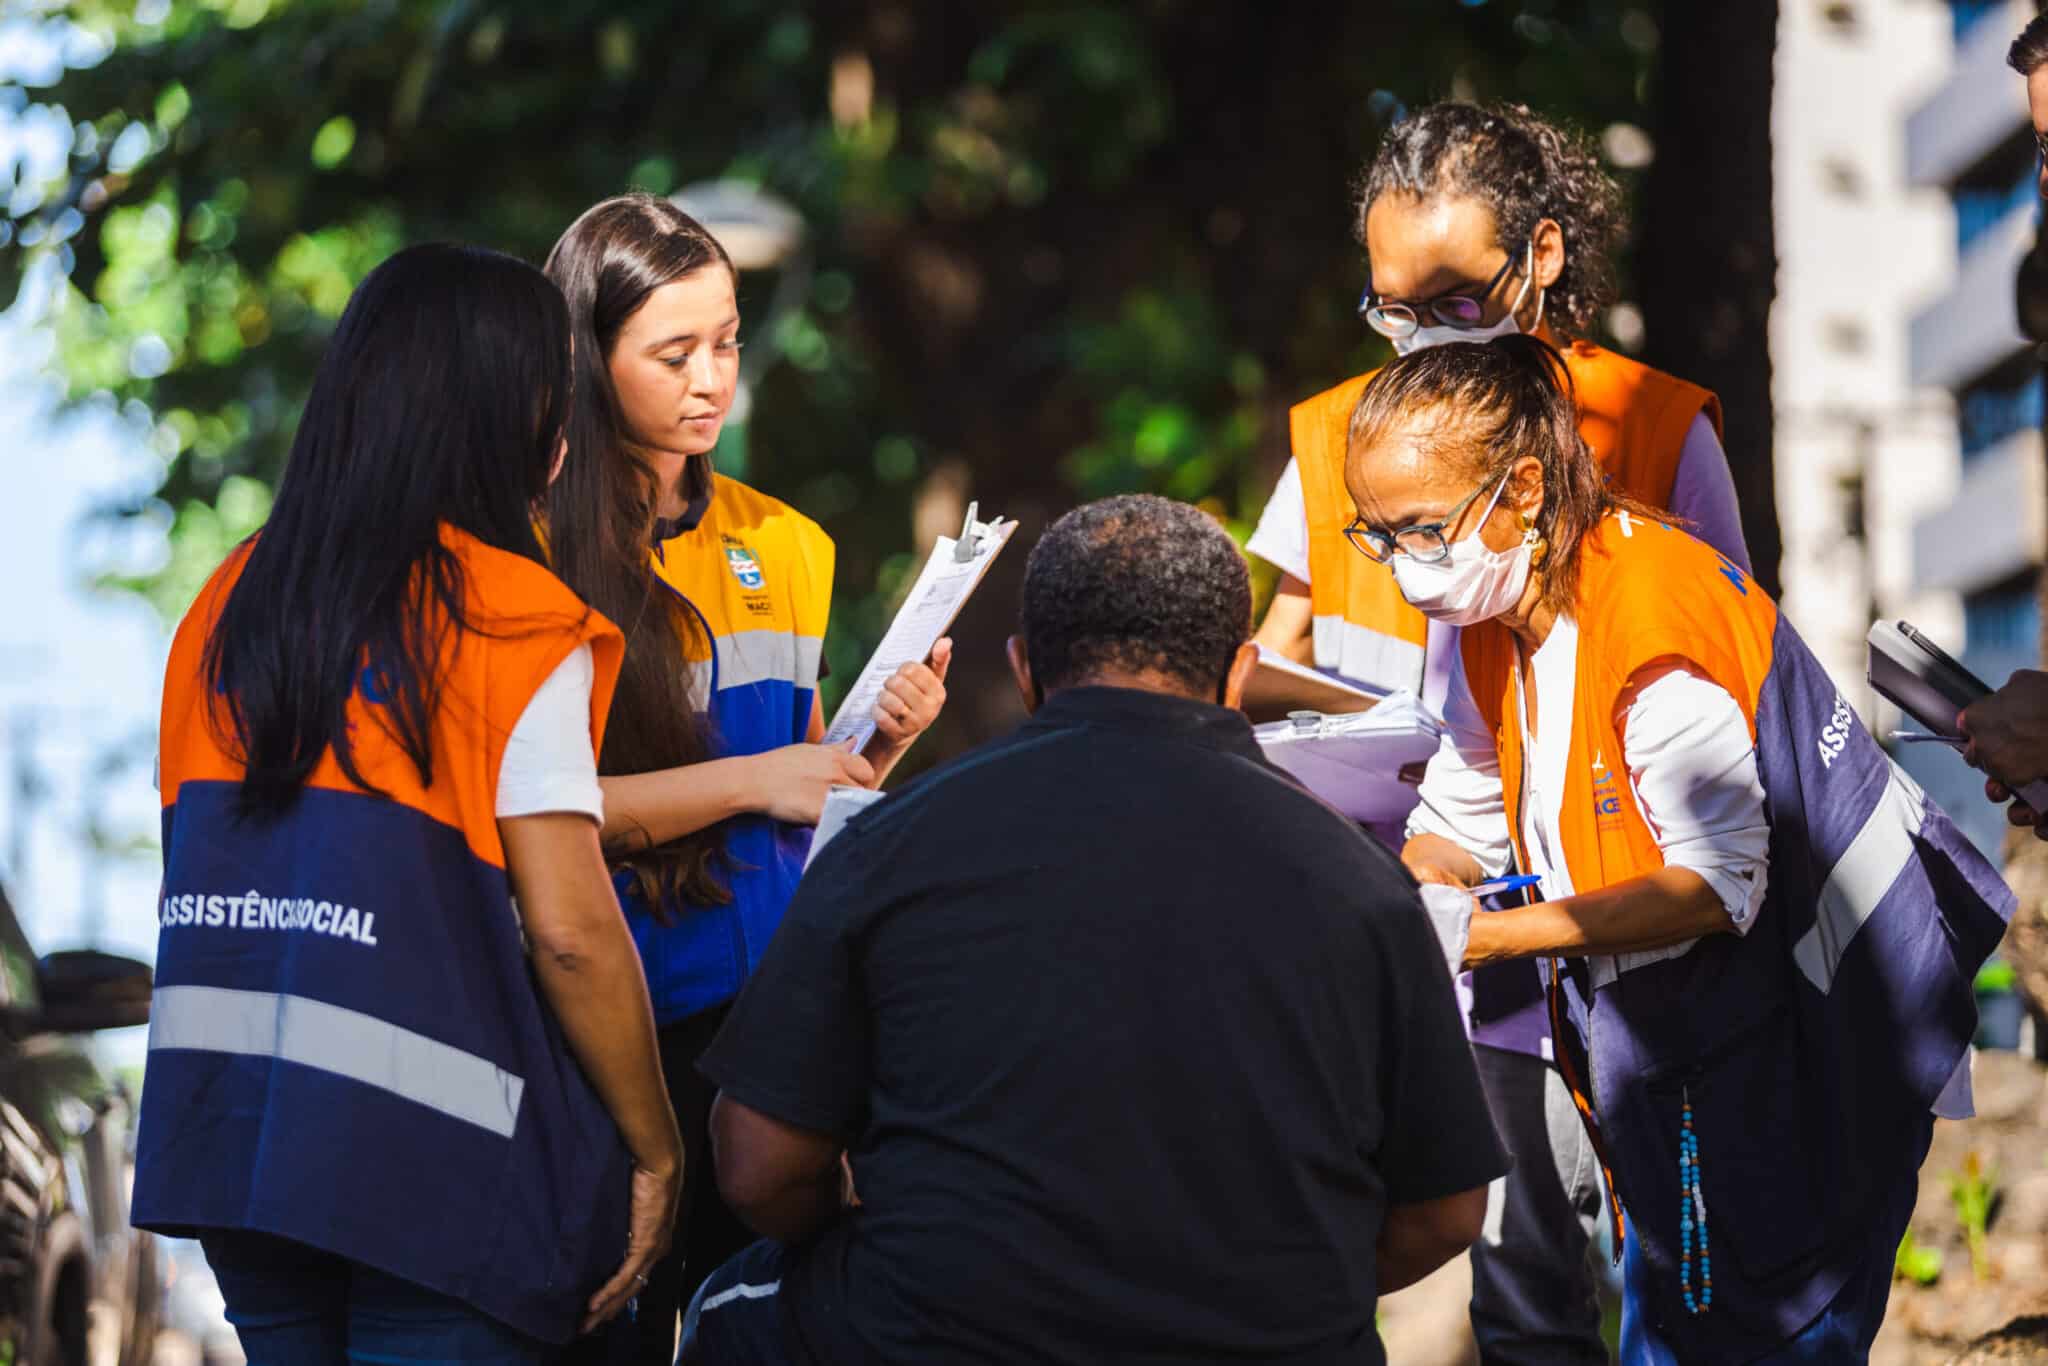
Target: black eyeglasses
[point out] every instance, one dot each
(1420, 541)
(2041, 144)
(1397, 320)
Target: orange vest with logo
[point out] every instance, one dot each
(347, 1045)
(1633, 417)
(1628, 617)
(1802, 1056)
(527, 621)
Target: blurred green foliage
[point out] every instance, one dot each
(1912, 1262)
(1054, 250)
(1973, 1191)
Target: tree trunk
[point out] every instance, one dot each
(1707, 217)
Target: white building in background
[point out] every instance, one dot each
(1909, 458)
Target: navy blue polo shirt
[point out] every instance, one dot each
(1132, 1043)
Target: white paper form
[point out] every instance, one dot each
(943, 586)
(842, 804)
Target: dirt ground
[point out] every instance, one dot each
(1935, 1325)
(2009, 1138)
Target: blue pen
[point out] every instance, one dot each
(1514, 882)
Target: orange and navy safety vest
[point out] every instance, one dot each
(1634, 418)
(347, 1048)
(1811, 1048)
(757, 578)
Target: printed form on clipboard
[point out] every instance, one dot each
(948, 579)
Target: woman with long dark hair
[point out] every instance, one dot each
(713, 774)
(403, 1082)
(1773, 930)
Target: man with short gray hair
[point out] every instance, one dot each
(1138, 1052)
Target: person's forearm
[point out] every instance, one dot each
(1402, 1263)
(642, 810)
(796, 1211)
(1417, 1239)
(593, 980)
(1289, 627)
(1669, 906)
(1426, 851)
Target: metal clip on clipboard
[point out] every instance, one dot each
(970, 537)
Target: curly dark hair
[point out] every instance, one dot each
(1525, 169)
(2029, 51)
(1132, 583)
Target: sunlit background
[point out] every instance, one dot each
(1021, 253)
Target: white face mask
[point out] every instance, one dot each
(1422, 338)
(1471, 584)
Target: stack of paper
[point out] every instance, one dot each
(1356, 763)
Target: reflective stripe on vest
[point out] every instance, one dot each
(1370, 656)
(768, 656)
(1866, 872)
(360, 1047)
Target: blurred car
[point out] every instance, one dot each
(78, 1286)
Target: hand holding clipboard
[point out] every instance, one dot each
(949, 577)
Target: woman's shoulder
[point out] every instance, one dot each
(735, 506)
(1608, 381)
(1651, 583)
(1640, 560)
(207, 604)
(503, 585)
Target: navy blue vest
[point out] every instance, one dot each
(347, 1045)
(1810, 1049)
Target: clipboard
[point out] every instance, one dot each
(1928, 684)
(1366, 764)
(955, 569)
(1279, 687)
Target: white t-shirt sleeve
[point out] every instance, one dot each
(1281, 537)
(1460, 798)
(1692, 766)
(1704, 492)
(550, 763)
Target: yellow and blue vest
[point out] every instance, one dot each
(346, 1046)
(757, 577)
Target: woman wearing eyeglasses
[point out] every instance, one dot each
(1480, 223)
(1775, 929)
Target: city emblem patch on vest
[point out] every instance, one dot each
(745, 568)
(1606, 797)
